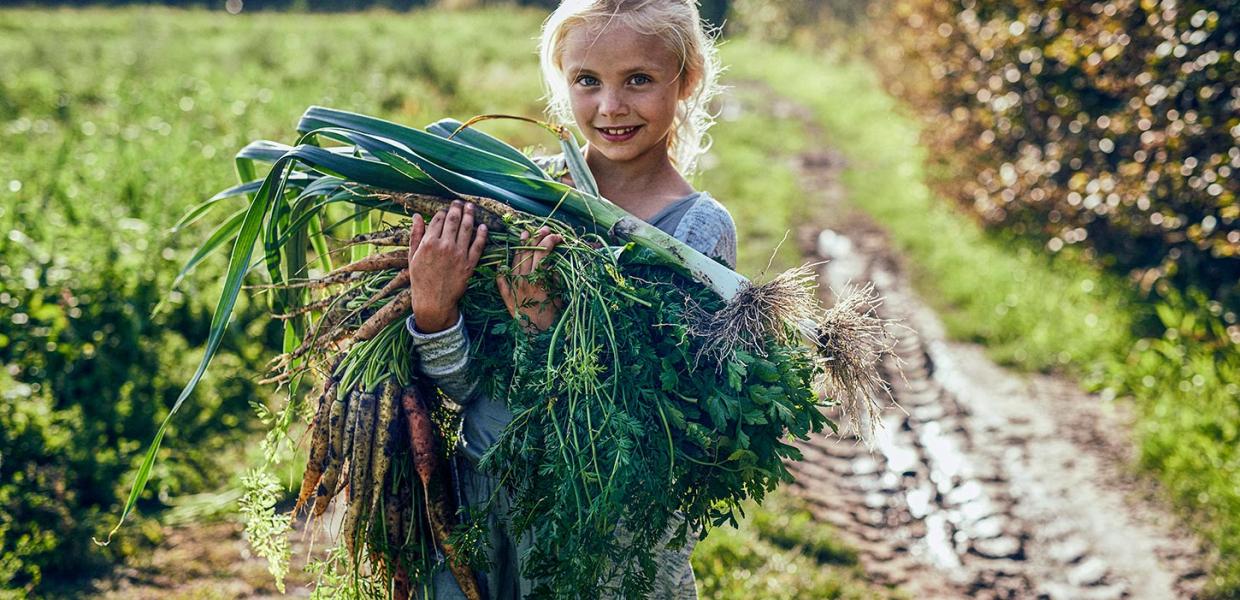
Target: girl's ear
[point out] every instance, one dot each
(688, 81)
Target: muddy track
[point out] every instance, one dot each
(988, 483)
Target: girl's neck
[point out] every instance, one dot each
(641, 186)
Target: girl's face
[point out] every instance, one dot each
(623, 88)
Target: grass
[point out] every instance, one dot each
(1034, 311)
(779, 551)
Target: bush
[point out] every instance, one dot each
(88, 376)
(1113, 125)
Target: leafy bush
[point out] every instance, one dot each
(1113, 125)
(88, 374)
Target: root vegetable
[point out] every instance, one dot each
(333, 278)
(359, 473)
(301, 310)
(397, 283)
(390, 313)
(490, 214)
(381, 456)
(339, 422)
(396, 236)
(319, 444)
(395, 259)
(429, 465)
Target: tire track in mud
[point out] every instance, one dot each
(988, 484)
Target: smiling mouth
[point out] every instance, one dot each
(618, 133)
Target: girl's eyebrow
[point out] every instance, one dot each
(629, 71)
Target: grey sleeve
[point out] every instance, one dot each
(445, 359)
(708, 228)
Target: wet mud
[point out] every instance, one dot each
(984, 483)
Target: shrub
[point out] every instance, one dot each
(88, 376)
(1113, 124)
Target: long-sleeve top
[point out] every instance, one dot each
(699, 221)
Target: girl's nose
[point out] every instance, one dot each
(612, 104)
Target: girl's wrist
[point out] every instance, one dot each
(435, 320)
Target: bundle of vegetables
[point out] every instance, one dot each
(662, 397)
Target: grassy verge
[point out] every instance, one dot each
(1035, 312)
(779, 551)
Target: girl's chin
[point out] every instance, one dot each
(616, 152)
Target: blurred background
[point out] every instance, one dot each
(1057, 175)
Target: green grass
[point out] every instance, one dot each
(1033, 311)
(779, 551)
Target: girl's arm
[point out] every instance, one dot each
(445, 359)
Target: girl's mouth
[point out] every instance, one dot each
(618, 134)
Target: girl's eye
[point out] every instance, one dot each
(639, 79)
(587, 80)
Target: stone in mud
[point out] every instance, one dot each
(1090, 572)
(1069, 550)
(1002, 547)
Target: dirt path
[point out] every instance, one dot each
(989, 483)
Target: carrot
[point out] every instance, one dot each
(428, 463)
(339, 423)
(395, 259)
(301, 310)
(396, 236)
(319, 444)
(491, 213)
(333, 278)
(381, 456)
(400, 514)
(390, 313)
(400, 281)
(359, 472)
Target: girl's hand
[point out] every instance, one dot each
(527, 297)
(442, 256)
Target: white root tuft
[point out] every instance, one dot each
(757, 311)
(852, 341)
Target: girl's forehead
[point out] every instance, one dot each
(615, 47)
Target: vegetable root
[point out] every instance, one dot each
(340, 430)
(396, 236)
(359, 471)
(429, 465)
(395, 259)
(381, 453)
(390, 313)
(319, 445)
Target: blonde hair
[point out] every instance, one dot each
(679, 25)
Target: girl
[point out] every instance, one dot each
(636, 77)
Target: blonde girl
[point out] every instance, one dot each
(636, 77)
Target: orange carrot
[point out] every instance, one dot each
(441, 509)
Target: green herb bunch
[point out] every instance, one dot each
(620, 439)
